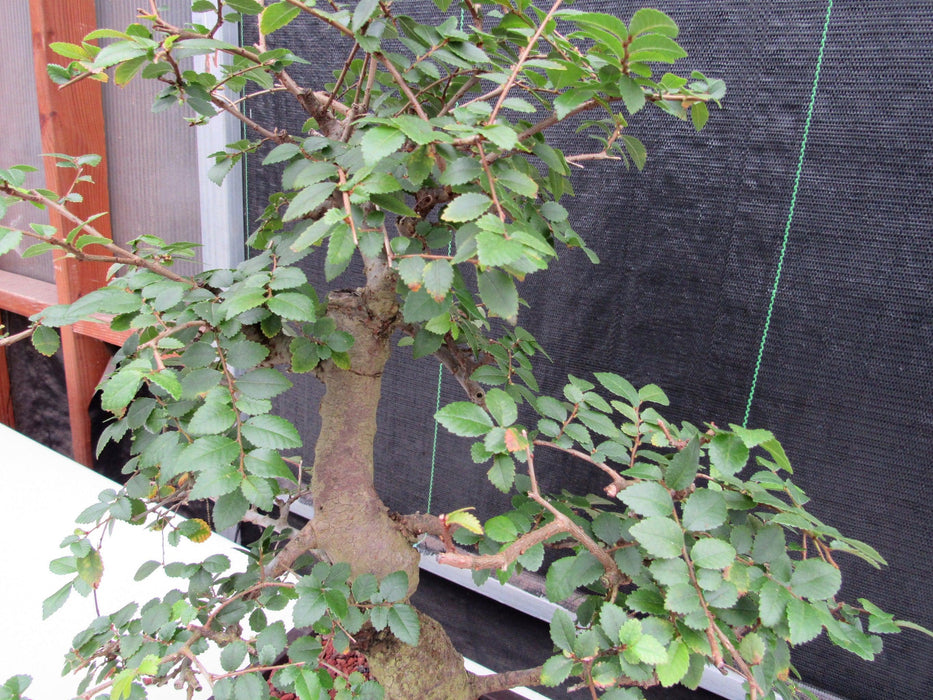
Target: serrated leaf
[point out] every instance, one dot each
(650, 20)
(632, 94)
(502, 472)
(712, 553)
(216, 481)
(233, 655)
(293, 306)
(466, 207)
(728, 453)
(699, 115)
(276, 16)
(56, 600)
(308, 199)
(212, 418)
(404, 623)
(120, 389)
(415, 128)
(466, 520)
(461, 171)
(495, 250)
(273, 432)
(804, 621)
(90, 568)
(464, 419)
(438, 276)
(647, 498)
(671, 671)
(556, 670)
(394, 587)
(45, 340)
(705, 509)
(660, 537)
(9, 239)
(379, 142)
(815, 579)
(498, 292)
(563, 631)
(683, 467)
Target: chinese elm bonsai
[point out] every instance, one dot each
(428, 157)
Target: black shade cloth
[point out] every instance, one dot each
(690, 248)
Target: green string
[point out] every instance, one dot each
(790, 216)
(440, 379)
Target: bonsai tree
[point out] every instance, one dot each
(427, 159)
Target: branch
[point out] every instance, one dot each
(403, 86)
(484, 685)
(523, 56)
(619, 482)
(10, 339)
(122, 255)
(305, 540)
(502, 560)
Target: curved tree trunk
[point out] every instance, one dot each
(351, 523)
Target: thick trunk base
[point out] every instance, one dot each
(433, 670)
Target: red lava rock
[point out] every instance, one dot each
(335, 664)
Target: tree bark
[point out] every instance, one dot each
(351, 523)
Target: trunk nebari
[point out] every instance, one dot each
(351, 523)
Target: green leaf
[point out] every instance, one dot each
(501, 135)
(45, 340)
(498, 292)
(553, 212)
(267, 463)
(572, 99)
(804, 620)
(651, 20)
(712, 553)
(652, 393)
(637, 152)
(556, 670)
(660, 537)
(671, 671)
(415, 128)
(502, 472)
(309, 199)
(276, 16)
(394, 587)
(246, 7)
(339, 251)
(632, 94)
(120, 389)
(216, 481)
(307, 684)
(242, 299)
(618, 386)
(683, 467)
(379, 142)
(772, 602)
(648, 650)
(563, 631)
(212, 418)
(682, 598)
(56, 600)
(273, 432)
(146, 569)
(258, 491)
(815, 579)
(495, 250)
(251, 686)
(705, 509)
(293, 306)
(263, 383)
(466, 207)
(229, 510)
(362, 14)
(647, 498)
(502, 407)
(438, 276)
(404, 623)
(232, 655)
(728, 454)
(9, 239)
(518, 182)
(699, 114)
(652, 48)
(461, 171)
(464, 419)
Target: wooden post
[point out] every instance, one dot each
(72, 122)
(6, 396)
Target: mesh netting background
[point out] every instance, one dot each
(690, 248)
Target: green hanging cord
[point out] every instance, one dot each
(790, 217)
(440, 379)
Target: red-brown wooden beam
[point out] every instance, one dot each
(72, 122)
(6, 395)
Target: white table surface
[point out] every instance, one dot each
(41, 492)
